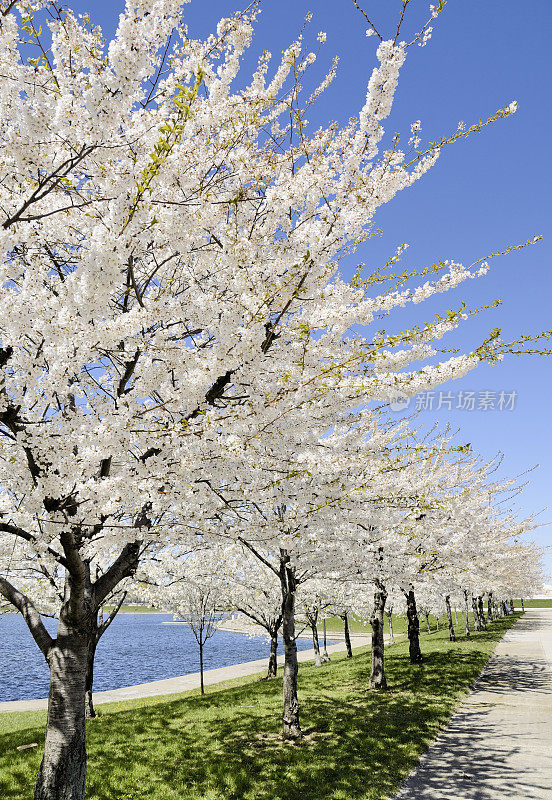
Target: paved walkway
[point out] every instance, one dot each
(498, 745)
(184, 683)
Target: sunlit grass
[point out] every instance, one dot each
(335, 624)
(226, 745)
(545, 602)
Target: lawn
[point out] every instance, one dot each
(545, 602)
(135, 609)
(335, 624)
(225, 746)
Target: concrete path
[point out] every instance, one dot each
(498, 745)
(183, 683)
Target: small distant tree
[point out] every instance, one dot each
(255, 597)
(202, 616)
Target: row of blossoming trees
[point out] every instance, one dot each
(183, 368)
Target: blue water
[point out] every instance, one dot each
(136, 648)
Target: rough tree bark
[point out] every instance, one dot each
(62, 773)
(271, 626)
(345, 618)
(101, 626)
(413, 628)
(89, 710)
(490, 606)
(466, 612)
(325, 656)
(522, 605)
(290, 716)
(315, 642)
(377, 675)
(452, 635)
(389, 612)
(481, 610)
(312, 618)
(201, 683)
(273, 658)
(476, 620)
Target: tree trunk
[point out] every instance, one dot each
(290, 715)
(90, 711)
(389, 613)
(482, 619)
(62, 772)
(426, 614)
(273, 658)
(437, 622)
(456, 616)
(345, 618)
(490, 606)
(315, 644)
(413, 629)
(522, 606)
(325, 656)
(100, 627)
(377, 676)
(476, 620)
(452, 635)
(466, 612)
(202, 687)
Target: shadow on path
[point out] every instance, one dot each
(498, 746)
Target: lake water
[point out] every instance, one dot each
(136, 648)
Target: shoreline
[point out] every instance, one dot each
(182, 683)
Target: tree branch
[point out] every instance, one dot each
(48, 184)
(6, 11)
(106, 623)
(123, 567)
(259, 556)
(22, 534)
(29, 613)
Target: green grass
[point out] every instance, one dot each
(356, 625)
(358, 744)
(544, 603)
(135, 609)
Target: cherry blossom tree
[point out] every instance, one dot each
(170, 241)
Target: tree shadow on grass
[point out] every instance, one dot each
(357, 742)
(224, 746)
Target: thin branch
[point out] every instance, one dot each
(48, 184)
(6, 11)
(371, 24)
(259, 556)
(106, 623)
(22, 534)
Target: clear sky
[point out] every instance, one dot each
(485, 193)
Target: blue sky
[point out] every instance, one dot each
(484, 194)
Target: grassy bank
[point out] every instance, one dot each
(545, 602)
(335, 624)
(135, 609)
(226, 745)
